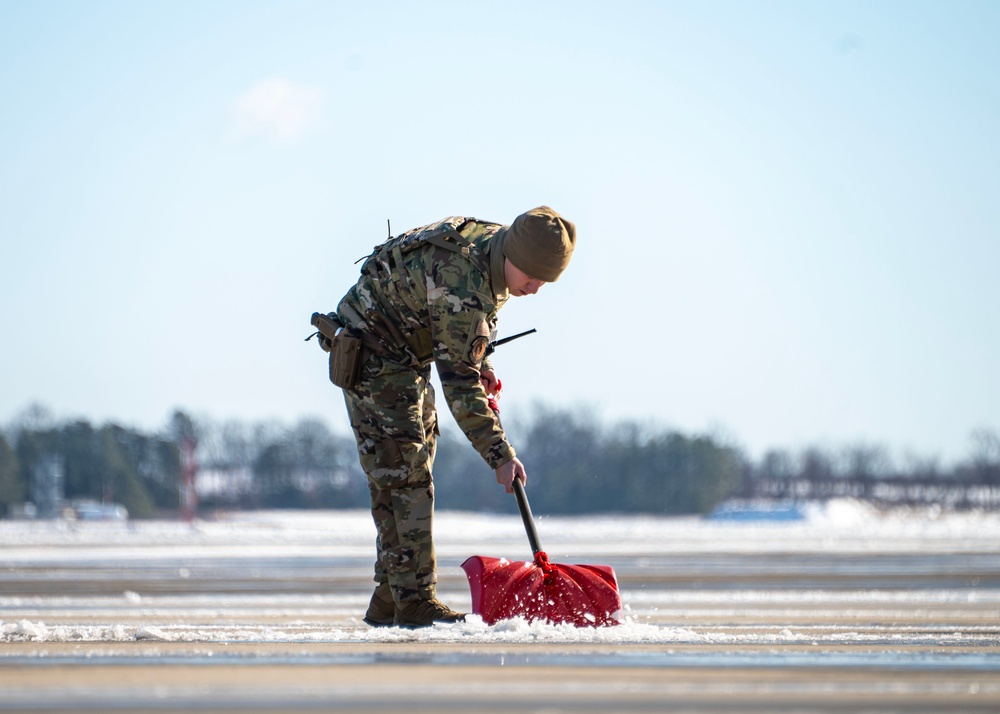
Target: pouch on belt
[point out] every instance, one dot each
(346, 350)
(346, 360)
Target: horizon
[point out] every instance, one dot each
(982, 443)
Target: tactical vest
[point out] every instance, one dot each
(386, 267)
(445, 234)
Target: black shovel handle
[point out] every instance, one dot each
(525, 509)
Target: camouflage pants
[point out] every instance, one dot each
(395, 424)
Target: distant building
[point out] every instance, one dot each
(46, 487)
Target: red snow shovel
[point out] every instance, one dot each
(581, 595)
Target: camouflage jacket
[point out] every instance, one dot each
(432, 294)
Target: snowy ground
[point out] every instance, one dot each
(847, 610)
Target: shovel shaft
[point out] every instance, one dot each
(529, 522)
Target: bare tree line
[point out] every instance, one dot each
(868, 472)
(577, 465)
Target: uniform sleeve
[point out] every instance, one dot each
(461, 317)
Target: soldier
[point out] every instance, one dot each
(431, 295)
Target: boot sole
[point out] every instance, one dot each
(372, 622)
(414, 626)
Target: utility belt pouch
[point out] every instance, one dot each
(346, 360)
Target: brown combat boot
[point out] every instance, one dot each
(381, 609)
(423, 613)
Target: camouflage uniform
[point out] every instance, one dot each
(431, 295)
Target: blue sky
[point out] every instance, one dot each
(787, 214)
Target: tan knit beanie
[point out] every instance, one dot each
(540, 243)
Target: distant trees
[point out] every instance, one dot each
(308, 467)
(984, 467)
(13, 489)
(109, 463)
(269, 465)
(576, 465)
(868, 472)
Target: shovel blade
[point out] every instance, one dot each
(580, 595)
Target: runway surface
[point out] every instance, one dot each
(848, 610)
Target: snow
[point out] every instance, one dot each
(840, 524)
(287, 548)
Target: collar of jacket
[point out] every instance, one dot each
(497, 279)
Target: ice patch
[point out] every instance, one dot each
(152, 633)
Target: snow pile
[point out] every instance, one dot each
(26, 631)
(474, 630)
